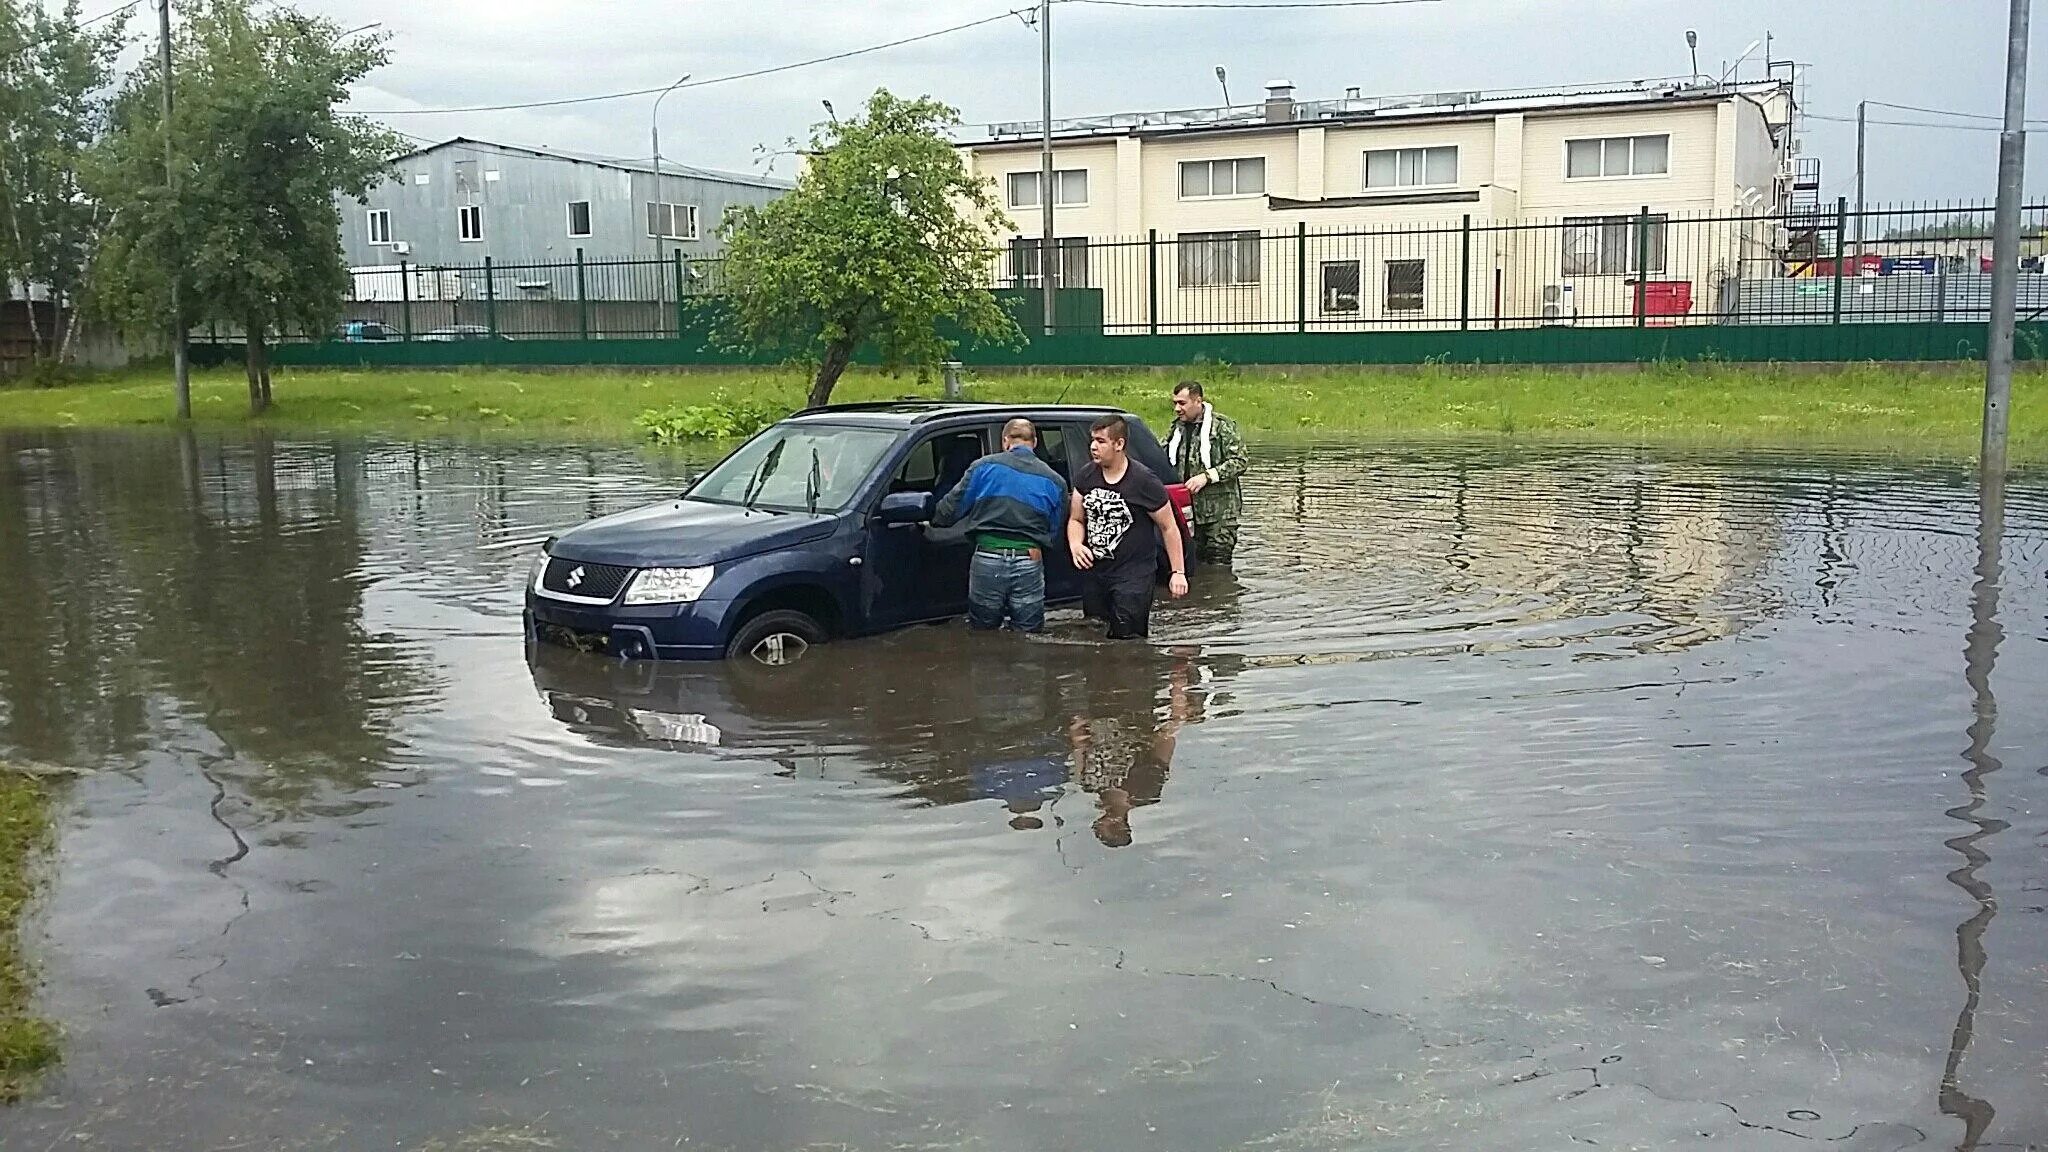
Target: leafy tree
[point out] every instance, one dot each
(251, 227)
(54, 77)
(886, 240)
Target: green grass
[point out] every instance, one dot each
(1917, 409)
(27, 1044)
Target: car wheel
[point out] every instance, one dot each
(776, 638)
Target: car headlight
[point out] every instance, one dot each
(668, 585)
(540, 565)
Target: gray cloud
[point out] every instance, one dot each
(463, 52)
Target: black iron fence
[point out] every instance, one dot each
(1644, 268)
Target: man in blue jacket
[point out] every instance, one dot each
(1008, 503)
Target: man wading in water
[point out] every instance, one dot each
(1011, 503)
(1117, 504)
(1207, 451)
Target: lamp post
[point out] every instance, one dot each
(654, 133)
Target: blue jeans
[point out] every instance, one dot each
(1000, 583)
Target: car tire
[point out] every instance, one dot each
(773, 639)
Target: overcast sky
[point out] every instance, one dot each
(1946, 54)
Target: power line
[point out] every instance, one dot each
(1947, 112)
(694, 83)
(1244, 4)
(1913, 123)
(81, 26)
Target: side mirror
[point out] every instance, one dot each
(902, 508)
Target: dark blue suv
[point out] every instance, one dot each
(806, 532)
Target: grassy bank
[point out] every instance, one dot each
(1931, 409)
(27, 1044)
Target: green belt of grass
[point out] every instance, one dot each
(27, 1044)
(1918, 409)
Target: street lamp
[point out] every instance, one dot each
(1735, 69)
(654, 131)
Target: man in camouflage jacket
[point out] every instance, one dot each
(1207, 453)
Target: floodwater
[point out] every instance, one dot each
(1505, 798)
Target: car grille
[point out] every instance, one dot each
(583, 579)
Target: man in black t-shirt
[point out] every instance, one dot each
(1117, 505)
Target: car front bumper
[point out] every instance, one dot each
(695, 631)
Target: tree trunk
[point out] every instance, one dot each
(256, 366)
(838, 355)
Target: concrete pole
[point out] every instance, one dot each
(181, 364)
(1862, 128)
(654, 140)
(2005, 247)
(1048, 250)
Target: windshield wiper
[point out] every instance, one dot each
(768, 465)
(811, 485)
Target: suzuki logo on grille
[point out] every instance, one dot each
(576, 577)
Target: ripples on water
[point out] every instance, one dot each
(1503, 798)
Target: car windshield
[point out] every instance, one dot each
(785, 466)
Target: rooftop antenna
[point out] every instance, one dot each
(1225, 81)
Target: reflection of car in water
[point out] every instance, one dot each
(947, 716)
(808, 531)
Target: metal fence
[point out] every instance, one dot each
(1645, 268)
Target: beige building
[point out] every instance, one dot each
(1354, 212)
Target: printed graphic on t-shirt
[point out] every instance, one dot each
(1108, 519)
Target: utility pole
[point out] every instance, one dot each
(654, 214)
(1048, 251)
(181, 365)
(1862, 107)
(2005, 248)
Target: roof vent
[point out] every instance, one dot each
(1279, 102)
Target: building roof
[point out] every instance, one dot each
(668, 167)
(1355, 111)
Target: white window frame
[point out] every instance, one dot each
(1365, 168)
(1242, 239)
(589, 223)
(1604, 141)
(1180, 178)
(370, 219)
(672, 209)
(463, 215)
(1601, 228)
(1059, 199)
(1072, 254)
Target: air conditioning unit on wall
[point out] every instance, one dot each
(1558, 306)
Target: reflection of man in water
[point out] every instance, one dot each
(1124, 759)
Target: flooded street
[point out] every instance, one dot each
(1505, 798)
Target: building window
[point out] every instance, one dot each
(469, 221)
(1026, 253)
(672, 221)
(1218, 259)
(1411, 167)
(1069, 188)
(1606, 245)
(1241, 177)
(1404, 285)
(379, 225)
(1617, 156)
(579, 218)
(1340, 287)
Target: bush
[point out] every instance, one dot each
(723, 419)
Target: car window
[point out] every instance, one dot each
(1052, 449)
(782, 467)
(940, 461)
